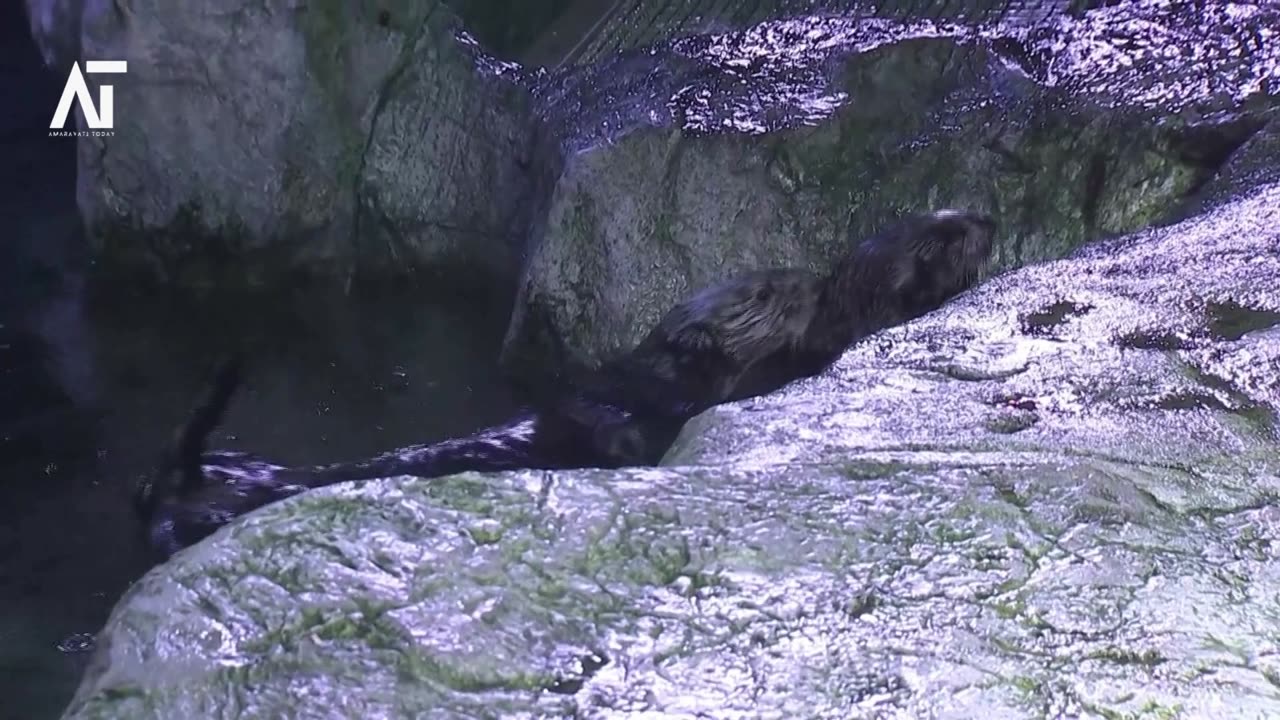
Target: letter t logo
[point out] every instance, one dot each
(77, 89)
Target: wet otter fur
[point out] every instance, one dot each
(745, 337)
(192, 492)
(756, 332)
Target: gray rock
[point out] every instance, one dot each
(637, 23)
(1066, 127)
(1053, 497)
(252, 142)
(638, 224)
(1255, 163)
(1157, 348)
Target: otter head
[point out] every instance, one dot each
(938, 255)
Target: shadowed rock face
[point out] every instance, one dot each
(255, 143)
(1051, 497)
(359, 138)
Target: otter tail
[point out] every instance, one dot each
(189, 444)
(180, 469)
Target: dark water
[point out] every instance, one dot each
(333, 377)
(95, 375)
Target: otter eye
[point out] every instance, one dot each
(953, 232)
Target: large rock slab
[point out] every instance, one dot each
(637, 23)
(1159, 348)
(1053, 497)
(961, 587)
(257, 141)
(700, 157)
(640, 223)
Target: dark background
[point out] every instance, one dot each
(95, 373)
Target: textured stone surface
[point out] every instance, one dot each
(639, 224)
(636, 23)
(253, 141)
(791, 135)
(1153, 349)
(1052, 498)
(962, 586)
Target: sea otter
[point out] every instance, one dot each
(745, 337)
(754, 333)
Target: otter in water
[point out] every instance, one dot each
(193, 492)
(756, 332)
(745, 337)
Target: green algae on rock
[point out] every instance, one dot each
(861, 544)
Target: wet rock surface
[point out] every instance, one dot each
(375, 146)
(641, 223)
(698, 158)
(1053, 497)
(637, 23)
(252, 143)
(1156, 348)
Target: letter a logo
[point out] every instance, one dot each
(77, 89)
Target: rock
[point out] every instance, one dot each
(638, 224)
(253, 143)
(639, 23)
(509, 27)
(1067, 127)
(1055, 496)
(1156, 349)
(1255, 162)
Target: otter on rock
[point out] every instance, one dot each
(744, 337)
(754, 333)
